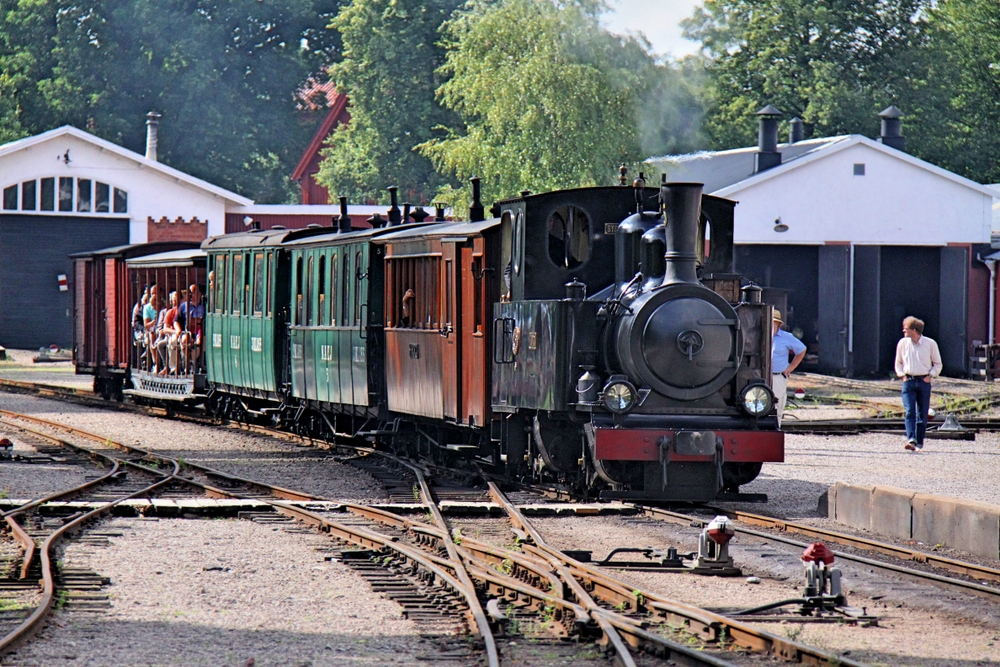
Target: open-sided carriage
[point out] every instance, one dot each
(166, 293)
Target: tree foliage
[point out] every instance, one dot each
(224, 73)
(833, 63)
(389, 71)
(547, 98)
(960, 116)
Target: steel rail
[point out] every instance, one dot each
(957, 566)
(34, 621)
(742, 634)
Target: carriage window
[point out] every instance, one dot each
(258, 283)
(237, 282)
(323, 317)
(346, 295)
(447, 293)
(359, 278)
(218, 286)
(268, 261)
(298, 292)
(477, 294)
(310, 292)
(569, 237)
(333, 289)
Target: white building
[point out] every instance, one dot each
(67, 191)
(850, 235)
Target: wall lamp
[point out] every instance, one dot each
(779, 226)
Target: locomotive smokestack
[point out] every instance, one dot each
(682, 210)
(345, 220)
(152, 127)
(477, 212)
(891, 135)
(394, 215)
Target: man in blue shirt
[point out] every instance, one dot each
(783, 346)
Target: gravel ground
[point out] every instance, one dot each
(236, 452)
(918, 626)
(214, 593)
(19, 366)
(27, 481)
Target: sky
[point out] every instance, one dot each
(658, 20)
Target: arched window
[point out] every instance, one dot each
(323, 319)
(569, 237)
(299, 314)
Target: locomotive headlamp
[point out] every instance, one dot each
(619, 396)
(757, 400)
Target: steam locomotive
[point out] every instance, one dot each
(594, 337)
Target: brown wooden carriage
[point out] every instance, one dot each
(437, 344)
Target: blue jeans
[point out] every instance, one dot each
(916, 402)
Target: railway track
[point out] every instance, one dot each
(435, 598)
(494, 587)
(976, 579)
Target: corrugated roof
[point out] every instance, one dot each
(721, 169)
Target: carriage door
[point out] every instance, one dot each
(449, 329)
(472, 332)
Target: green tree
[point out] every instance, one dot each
(959, 117)
(547, 98)
(389, 72)
(224, 73)
(833, 63)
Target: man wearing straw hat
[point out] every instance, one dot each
(783, 346)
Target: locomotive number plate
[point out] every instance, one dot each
(610, 227)
(695, 443)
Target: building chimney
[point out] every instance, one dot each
(796, 130)
(767, 140)
(152, 125)
(891, 135)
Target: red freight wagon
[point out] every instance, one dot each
(102, 343)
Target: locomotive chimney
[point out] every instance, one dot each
(796, 130)
(681, 211)
(767, 155)
(345, 220)
(152, 127)
(891, 135)
(394, 216)
(476, 210)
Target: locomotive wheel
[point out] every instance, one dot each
(735, 475)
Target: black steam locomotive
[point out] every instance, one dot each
(656, 385)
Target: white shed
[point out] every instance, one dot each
(850, 235)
